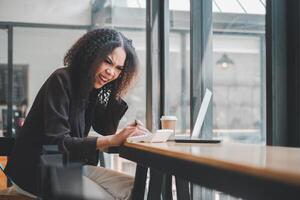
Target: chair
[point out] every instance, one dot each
(59, 179)
(6, 146)
(63, 180)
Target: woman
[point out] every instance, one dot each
(100, 67)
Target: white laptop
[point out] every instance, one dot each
(163, 135)
(199, 122)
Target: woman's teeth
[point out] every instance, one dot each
(104, 79)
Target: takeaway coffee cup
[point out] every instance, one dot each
(169, 122)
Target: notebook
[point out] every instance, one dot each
(159, 136)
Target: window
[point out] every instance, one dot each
(239, 71)
(129, 17)
(177, 73)
(42, 50)
(132, 26)
(3, 82)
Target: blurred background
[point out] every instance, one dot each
(35, 35)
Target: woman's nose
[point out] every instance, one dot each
(110, 71)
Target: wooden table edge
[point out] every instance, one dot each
(288, 178)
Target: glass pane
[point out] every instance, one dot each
(240, 6)
(3, 81)
(133, 26)
(129, 17)
(239, 73)
(75, 12)
(37, 52)
(130, 3)
(254, 6)
(229, 6)
(177, 74)
(179, 5)
(41, 51)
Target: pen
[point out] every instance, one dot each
(137, 122)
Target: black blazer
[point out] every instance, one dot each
(49, 122)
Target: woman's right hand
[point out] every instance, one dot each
(120, 137)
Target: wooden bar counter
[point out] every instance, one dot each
(242, 170)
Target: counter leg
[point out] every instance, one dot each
(182, 188)
(138, 191)
(167, 187)
(155, 185)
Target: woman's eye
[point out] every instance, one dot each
(120, 68)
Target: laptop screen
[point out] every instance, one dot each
(201, 114)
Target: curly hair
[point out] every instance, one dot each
(86, 55)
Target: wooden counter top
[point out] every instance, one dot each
(276, 163)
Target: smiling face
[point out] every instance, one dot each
(111, 67)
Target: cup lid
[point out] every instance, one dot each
(168, 117)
